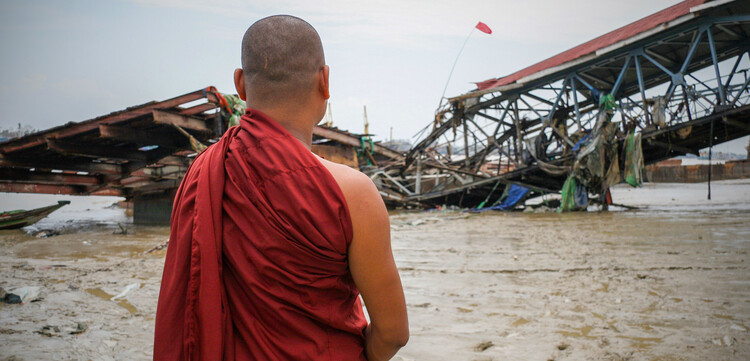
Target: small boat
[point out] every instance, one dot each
(22, 218)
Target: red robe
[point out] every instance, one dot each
(256, 266)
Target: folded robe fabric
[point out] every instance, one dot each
(256, 267)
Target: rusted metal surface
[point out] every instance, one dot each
(353, 140)
(62, 164)
(164, 138)
(112, 154)
(94, 151)
(20, 175)
(139, 151)
(74, 129)
(183, 121)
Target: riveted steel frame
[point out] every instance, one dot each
(689, 72)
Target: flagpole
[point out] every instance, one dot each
(453, 68)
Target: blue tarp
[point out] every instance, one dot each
(516, 193)
(581, 141)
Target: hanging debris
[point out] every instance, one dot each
(585, 119)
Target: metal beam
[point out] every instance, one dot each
(40, 139)
(691, 52)
(95, 151)
(722, 94)
(658, 56)
(595, 78)
(739, 92)
(182, 121)
(621, 77)
(728, 31)
(18, 175)
(163, 138)
(492, 118)
(736, 124)
(354, 141)
(669, 146)
(42, 188)
(576, 107)
(639, 74)
(94, 168)
(503, 178)
(197, 109)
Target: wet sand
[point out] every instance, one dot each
(669, 282)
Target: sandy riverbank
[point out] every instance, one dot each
(669, 282)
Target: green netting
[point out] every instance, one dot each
(568, 202)
(238, 108)
(607, 102)
(505, 194)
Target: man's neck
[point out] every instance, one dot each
(297, 126)
(302, 133)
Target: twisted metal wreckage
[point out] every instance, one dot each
(667, 85)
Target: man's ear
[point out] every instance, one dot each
(323, 83)
(239, 83)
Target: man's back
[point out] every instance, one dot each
(271, 246)
(285, 227)
(286, 235)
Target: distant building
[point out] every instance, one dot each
(722, 156)
(399, 145)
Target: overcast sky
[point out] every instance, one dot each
(73, 60)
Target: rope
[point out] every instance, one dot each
(223, 104)
(488, 196)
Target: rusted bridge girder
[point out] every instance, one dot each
(141, 150)
(674, 76)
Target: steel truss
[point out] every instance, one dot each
(675, 86)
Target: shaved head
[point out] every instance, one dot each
(280, 58)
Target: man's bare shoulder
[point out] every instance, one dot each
(356, 186)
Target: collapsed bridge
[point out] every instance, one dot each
(142, 152)
(678, 78)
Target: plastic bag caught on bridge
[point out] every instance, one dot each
(633, 160)
(568, 202)
(613, 175)
(237, 106)
(590, 165)
(658, 112)
(574, 196)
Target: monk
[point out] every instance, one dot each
(271, 246)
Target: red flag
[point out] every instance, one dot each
(484, 28)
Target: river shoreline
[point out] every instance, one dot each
(668, 282)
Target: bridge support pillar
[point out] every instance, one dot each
(153, 209)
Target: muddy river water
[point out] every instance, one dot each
(668, 282)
